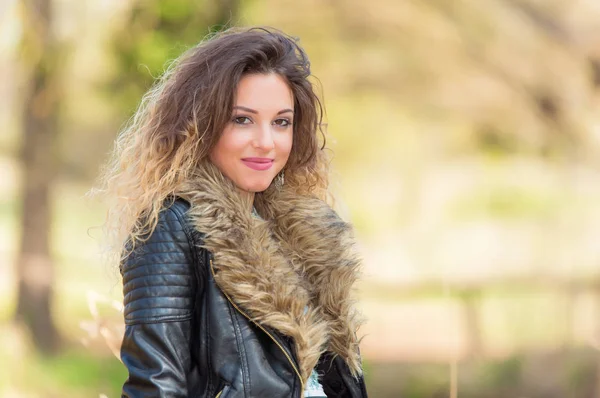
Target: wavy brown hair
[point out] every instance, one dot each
(181, 118)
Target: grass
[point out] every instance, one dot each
(74, 372)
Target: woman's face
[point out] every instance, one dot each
(256, 143)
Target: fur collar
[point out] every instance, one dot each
(292, 271)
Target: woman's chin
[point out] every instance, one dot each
(258, 186)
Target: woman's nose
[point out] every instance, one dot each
(264, 137)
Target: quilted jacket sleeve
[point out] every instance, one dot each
(159, 288)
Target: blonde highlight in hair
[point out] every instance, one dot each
(180, 119)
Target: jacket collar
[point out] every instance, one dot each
(292, 270)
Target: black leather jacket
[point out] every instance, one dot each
(185, 338)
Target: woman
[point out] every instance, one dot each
(236, 272)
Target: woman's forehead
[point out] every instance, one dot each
(264, 93)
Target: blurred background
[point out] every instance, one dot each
(467, 139)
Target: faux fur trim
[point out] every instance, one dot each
(292, 271)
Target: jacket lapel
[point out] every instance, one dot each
(292, 271)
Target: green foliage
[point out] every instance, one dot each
(502, 374)
(580, 369)
(81, 372)
(507, 202)
(418, 387)
(73, 373)
(155, 33)
(492, 141)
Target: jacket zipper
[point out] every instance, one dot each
(224, 390)
(264, 330)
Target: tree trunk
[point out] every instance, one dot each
(34, 264)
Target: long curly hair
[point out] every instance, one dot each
(180, 119)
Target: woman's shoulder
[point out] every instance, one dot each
(176, 204)
(159, 275)
(176, 210)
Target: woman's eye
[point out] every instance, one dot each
(283, 122)
(241, 120)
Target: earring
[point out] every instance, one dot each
(281, 178)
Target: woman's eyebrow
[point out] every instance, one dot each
(255, 111)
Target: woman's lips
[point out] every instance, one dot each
(258, 165)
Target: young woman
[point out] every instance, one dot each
(236, 272)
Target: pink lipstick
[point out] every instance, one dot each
(258, 163)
